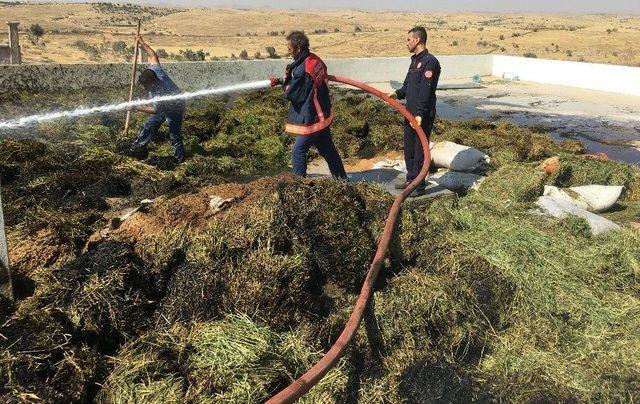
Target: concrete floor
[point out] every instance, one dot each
(604, 122)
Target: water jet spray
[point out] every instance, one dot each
(82, 111)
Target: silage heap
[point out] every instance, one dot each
(480, 299)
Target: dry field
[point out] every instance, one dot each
(86, 33)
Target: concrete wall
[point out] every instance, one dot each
(197, 75)
(377, 70)
(611, 78)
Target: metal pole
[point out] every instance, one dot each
(133, 81)
(6, 289)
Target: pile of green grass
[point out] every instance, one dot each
(505, 142)
(230, 360)
(479, 299)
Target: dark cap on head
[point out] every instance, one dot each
(147, 77)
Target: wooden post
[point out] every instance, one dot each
(133, 81)
(6, 289)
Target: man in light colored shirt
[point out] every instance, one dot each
(157, 83)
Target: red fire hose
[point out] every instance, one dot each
(305, 382)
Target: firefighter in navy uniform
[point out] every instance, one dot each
(419, 89)
(310, 112)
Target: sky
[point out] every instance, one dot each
(547, 6)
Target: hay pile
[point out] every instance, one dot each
(480, 299)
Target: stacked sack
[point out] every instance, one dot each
(460, 166)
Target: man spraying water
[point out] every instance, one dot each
(157, 83)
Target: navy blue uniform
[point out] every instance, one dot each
(170, 111)
(310, 113)
(419, 89)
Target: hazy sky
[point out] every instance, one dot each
(572, 6)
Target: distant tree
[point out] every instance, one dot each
(244, 55)
(480, 28)
(569, 53)
(257, 55)
(357, 29)
(272, 52)
(454, 43)
(36, 30)
(502, 37)
(193, 56)
(530, 55)
(119, 47)
(336, 30)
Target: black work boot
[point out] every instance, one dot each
(417, 192)
(137, 151)
(402, 185)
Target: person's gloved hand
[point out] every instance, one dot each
(393, 95)
(275, 81)
(418, 120)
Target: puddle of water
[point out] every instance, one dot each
(630, 155)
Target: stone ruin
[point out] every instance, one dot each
(10, 53)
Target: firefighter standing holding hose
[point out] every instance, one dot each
(310, 112)
(419, 89)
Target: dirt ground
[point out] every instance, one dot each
(223, 32)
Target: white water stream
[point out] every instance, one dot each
(27, 120)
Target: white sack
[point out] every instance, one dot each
(457, 157)
(456, 181)
(561, 208)
(594, 198)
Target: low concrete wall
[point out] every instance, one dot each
(197, 75)
(610, 78)
(378, 70)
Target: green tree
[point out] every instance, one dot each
(36, 30)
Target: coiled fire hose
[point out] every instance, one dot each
(304, 383)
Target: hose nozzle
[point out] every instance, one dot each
(275, 81)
